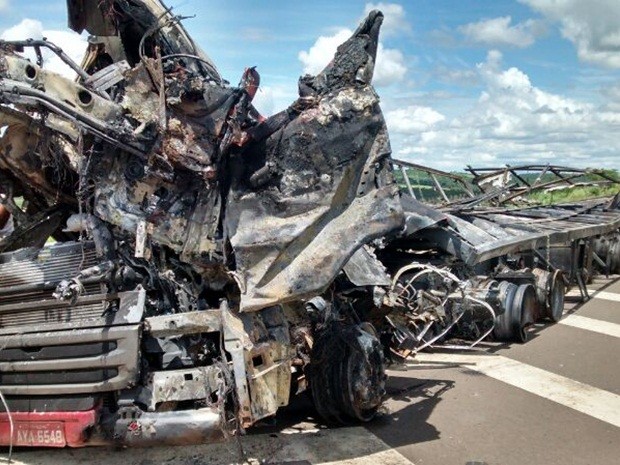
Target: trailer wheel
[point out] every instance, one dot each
(525, 304)
(506, 321)
(519, 304)
(555, 307)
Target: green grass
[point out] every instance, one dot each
(574, 194)
(425, 190)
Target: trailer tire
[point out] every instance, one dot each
(555, 307)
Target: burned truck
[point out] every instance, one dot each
(179, 265)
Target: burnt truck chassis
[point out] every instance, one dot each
(209, 262)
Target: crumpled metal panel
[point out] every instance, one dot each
(419, 216)
(477, 237)
(180, 385)
(330, 188)
(364, 269)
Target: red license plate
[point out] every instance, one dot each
(39, 433)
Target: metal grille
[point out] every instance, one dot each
(30, 276)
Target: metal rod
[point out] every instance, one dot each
(409, 188)
(439, 188)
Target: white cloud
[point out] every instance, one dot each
(612, 92)
(322, 52)
(460, 77)
(256, 34)
(412, 119)
(390, 66)
(500, 31)
(72, 44)
(512, 121)
(274, 98)
(26, 29)
(394, 21)
(593, 26)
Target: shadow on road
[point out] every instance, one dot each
(411, 402)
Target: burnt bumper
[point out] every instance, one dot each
(79, 429)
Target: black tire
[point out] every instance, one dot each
(347, 374)
(505, 322)
(557, 292)
(519, 304)
(525, 303)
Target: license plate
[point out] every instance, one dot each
(39, 433)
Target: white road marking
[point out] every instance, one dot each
(592, 324)
(614, 297)
(606, 296)
(350, 446)
(597, 403)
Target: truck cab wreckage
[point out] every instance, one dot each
(207, 263)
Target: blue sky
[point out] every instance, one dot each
(483, 82)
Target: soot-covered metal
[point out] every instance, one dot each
(174, 265)
(151, 203)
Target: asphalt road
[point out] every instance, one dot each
(554, 400)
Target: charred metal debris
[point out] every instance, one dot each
(174, 265)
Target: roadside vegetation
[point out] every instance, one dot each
(426, 191)
(574, 194)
